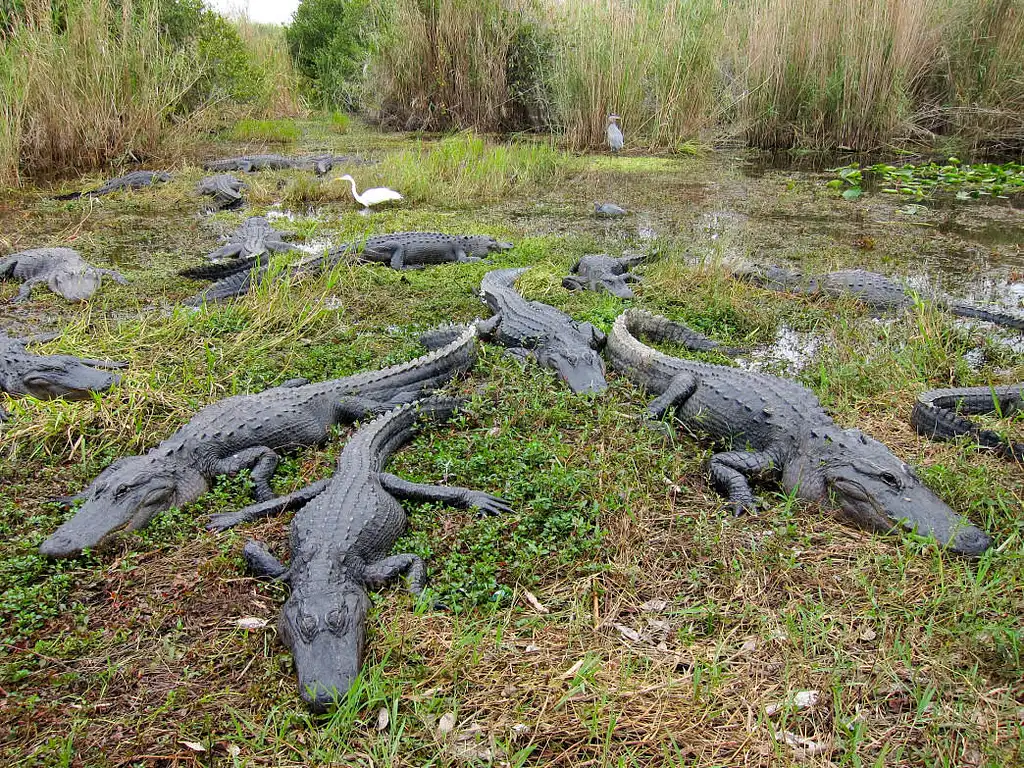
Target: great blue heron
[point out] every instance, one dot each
(371, 196)
(614, 134)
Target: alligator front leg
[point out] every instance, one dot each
(262, 563)
(453, 496)
(117, 277)
(26, 289)
(382, 572)
(730, 473)
(572, 283)
(679, 390)
(398, 257)
(275, 506)
(487, 328)
(262, 462)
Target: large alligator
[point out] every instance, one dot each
(939, 414)
(398, 249)
(50, 376)
(244, 431)
(319, 164)
(599, 272)
(62, 269)
(255, 237)
(530, 328)
(781, 430)
(875, 290)
(341, 538)
(225, 189)
(133, 180)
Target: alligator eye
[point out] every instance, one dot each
(307, 625)
(337, 620)
(890, 479)
(120, 492)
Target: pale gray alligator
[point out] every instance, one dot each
(225, 189)
(319, 164)
(600, 272)
(62, 269)
(341, 541)
(133, 180)
(245, 431)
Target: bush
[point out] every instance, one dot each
(328, 40)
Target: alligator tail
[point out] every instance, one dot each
(645, 324)
(938, 423)
(996, 315)
(234, 285)
(441, 336)
(218, 271)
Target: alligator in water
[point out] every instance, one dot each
(939, 414)
(530, 328)
(62, 269)
(341, 539)
(133, 180)
(783, 431)
(245, 431)
(49, 376)
(398, 249)
(319, 164)
(603, 273)
(609, 210)
(225, 189)
(875, 290)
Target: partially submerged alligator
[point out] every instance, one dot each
(319, 164)
(133, 180)
(530, 328)
(50, 376)
(600, 272)
(225, 189)
(341, 538)
(875, 290)
(785, 433)
(244, 431)
(939, 414)
(62, 269)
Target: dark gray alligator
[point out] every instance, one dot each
(50, 376)
(398, 249)
(133, 180)
(225, 189)
(875, 290)
(609, 210)
(244, 431)
(600, 272)
(341, 539)
(939, 414)
(530, 328)
(782, 431)
(319, 164)
(62, 269)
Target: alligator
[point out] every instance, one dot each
(781, 430)
(133, 180)
(225, 189)
(62, 269)
(399, 250)
(341, 538)
(609, 210)
(875, 290)
(320, 164)
(255, 237)
(530, 328)
(244, 431)
(601, 272)
(50, 376)
(937, 414)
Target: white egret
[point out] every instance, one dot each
(615, 140)
(372, 196)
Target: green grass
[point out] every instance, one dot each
(280, 131)
(668, 630)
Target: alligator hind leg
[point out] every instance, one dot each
(679, 390)
(454, 496)
(383, 571)
(730, 472)
(262, 563)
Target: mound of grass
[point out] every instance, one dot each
(280, 131)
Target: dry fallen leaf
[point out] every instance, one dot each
(195, 746)
(802, 746)
(868, 634)
(749, 646)
(533, 601)
(571, 671)
(629, 634)
(383, 718)
(654, 606)
(251, 622)
(531, 648)
(800, 700)
(445, 724)
(233, 750)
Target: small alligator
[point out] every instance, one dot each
(225, 189)
(133, 180)
(399, 250)
(341, 538)
(62, 269)
(50, 376)
(530, 328)
(603, 273)
(937, 414)
(244, 431)
(875, 290)
(255, 237)
(320, 164)
(781, 430)
(609, 210)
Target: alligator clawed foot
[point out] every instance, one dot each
(223, 520)
(661, 428)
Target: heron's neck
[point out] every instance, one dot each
(354, 193)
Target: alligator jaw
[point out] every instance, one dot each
(584, 374)
(75, 286)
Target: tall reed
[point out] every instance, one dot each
(268, 49)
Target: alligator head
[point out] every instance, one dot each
(875, 490)
(75, 285)
(481, 245)
(581, 368)
(326, 632)
(125, 496)
(57, 376)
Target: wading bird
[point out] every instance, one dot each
(373, 196)
(614, 134)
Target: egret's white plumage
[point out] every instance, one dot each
(372, 196)
(615, 140)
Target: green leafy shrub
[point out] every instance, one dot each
(328, 41)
